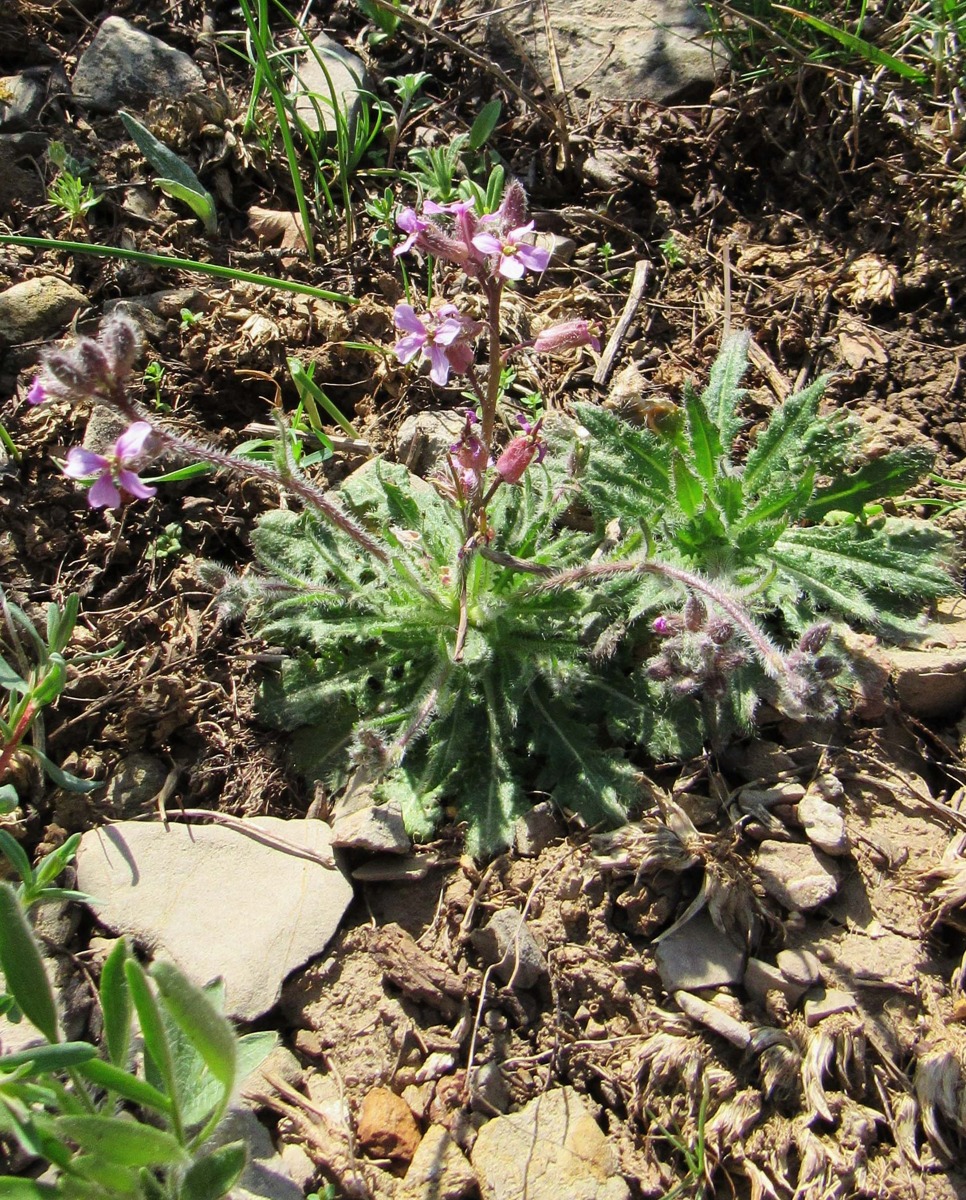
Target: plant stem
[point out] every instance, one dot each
(16, 737)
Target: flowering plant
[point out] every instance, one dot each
(463, 639)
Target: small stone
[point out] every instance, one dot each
(831, 1001)
(536, 830)
(714, 1018)
(439, 1170)
(488, 1089)
(551, 1148)
(134, 783)
(799, 966)
(36, 308)
(824, 825)
(390, 868)
(386, 1127)
(762, 978)
(797, 876)
(21, 101)
(125, 65)
(344, 76)
(507, 942)
(698, 955)
(560, 249)
(299, 1167)
(378, 829)
(425, 438)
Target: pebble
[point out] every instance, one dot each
(378, 829)
(551, 1148)
(799, 966)
(536, 830)
(489, 1092)
(714, 1018)
(506, 942)
(36, 308)
(124, 65)
(763, 977)
(698, 955)
(796, 875)
(439, 1170)
(23, 100)
(831, 1001)
(386, 1127)
(345, 75)
(134, 782)
(824, 825)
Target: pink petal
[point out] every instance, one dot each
(134, 487)
(534, 258)
(37, 393)
(511, 266)
(439, 372)
(409, 346)
(488, 244)
(404, 316)
(130, 445)
(104, 494)
(83, 463)
(518, 234)
(447, 332)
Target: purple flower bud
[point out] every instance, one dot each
(37, 393)
(121, 340)
(662, 627)
(827, 666)
(695, 613)
(93, 363)
(567, 335)
(720, 631)
(814, 638)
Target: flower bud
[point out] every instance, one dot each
(828, 666)
(567, 335)
(815, 637)
(515, 459)
(121, 340)
(720, 631)
(64, 378)
(93, 363)
(513, 208)
(695, 613)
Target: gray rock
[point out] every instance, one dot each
(536, 829)
(37, 308)
(488, 1089)
(655, 50)
(218, 902)
(379, 828)
(551, 1148)
(714, 1018)
(507, 942)
(346, 73)
(800, 966)
(762, 977)
(21, 100)
(425, 437)
(560, 249)
(824, 824)
(125, 65)
(265, 1176)
(135, 782)
(930, 681)
(797, 876)
(830, 1002)
(439, 1170)
(698, 955)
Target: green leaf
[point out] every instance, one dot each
(890, 475)
(125, 1085)
(857, 45)
(9, 800)
(209, 1178)
(23, 967)
(106, 1178)
(485, 123)
(52, 864)
(122, 1140)
(56, 1057)
(156, 1044)
(787, 502)
(687, 488)
(208, 1031)
(11, 681)
(116, 1004)
(781, 439)
(202, 204)
(12, 1188)
(723, 394)
(165, 161)
(63, 779)
(705, 440)
(16, 855)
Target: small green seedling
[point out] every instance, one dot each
(175, 177)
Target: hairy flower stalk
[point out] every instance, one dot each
(98, 370)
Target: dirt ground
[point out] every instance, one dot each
(832, 230)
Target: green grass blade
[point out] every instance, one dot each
(177, 264)
(858, 45)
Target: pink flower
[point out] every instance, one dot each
(513, 462)
(468, 456)
(412, 224)
(566, 336)
(113, 471)
(443, 338)
(37, 393)
(513, 255)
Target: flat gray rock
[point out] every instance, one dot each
(796, 875)
(37, 308)
(348, 77)
(125, 65)
(552, 1148)
(506, 941)
(651, 50)
(698, 955)
(378, 828)
(216, 901)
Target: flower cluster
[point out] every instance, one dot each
(699, 651)
(96, 370)
(444, 338)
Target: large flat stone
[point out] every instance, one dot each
(216, 901)
(125, 65)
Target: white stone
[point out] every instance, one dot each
(217, 902)
(824, 824)
(798, 876)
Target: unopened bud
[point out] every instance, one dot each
(93, 363)
(828, 666)
(695, 614)
(121, 340)
(65, 378)
(815, 637)
(660, 670)
(720, 631)
(513, 209)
